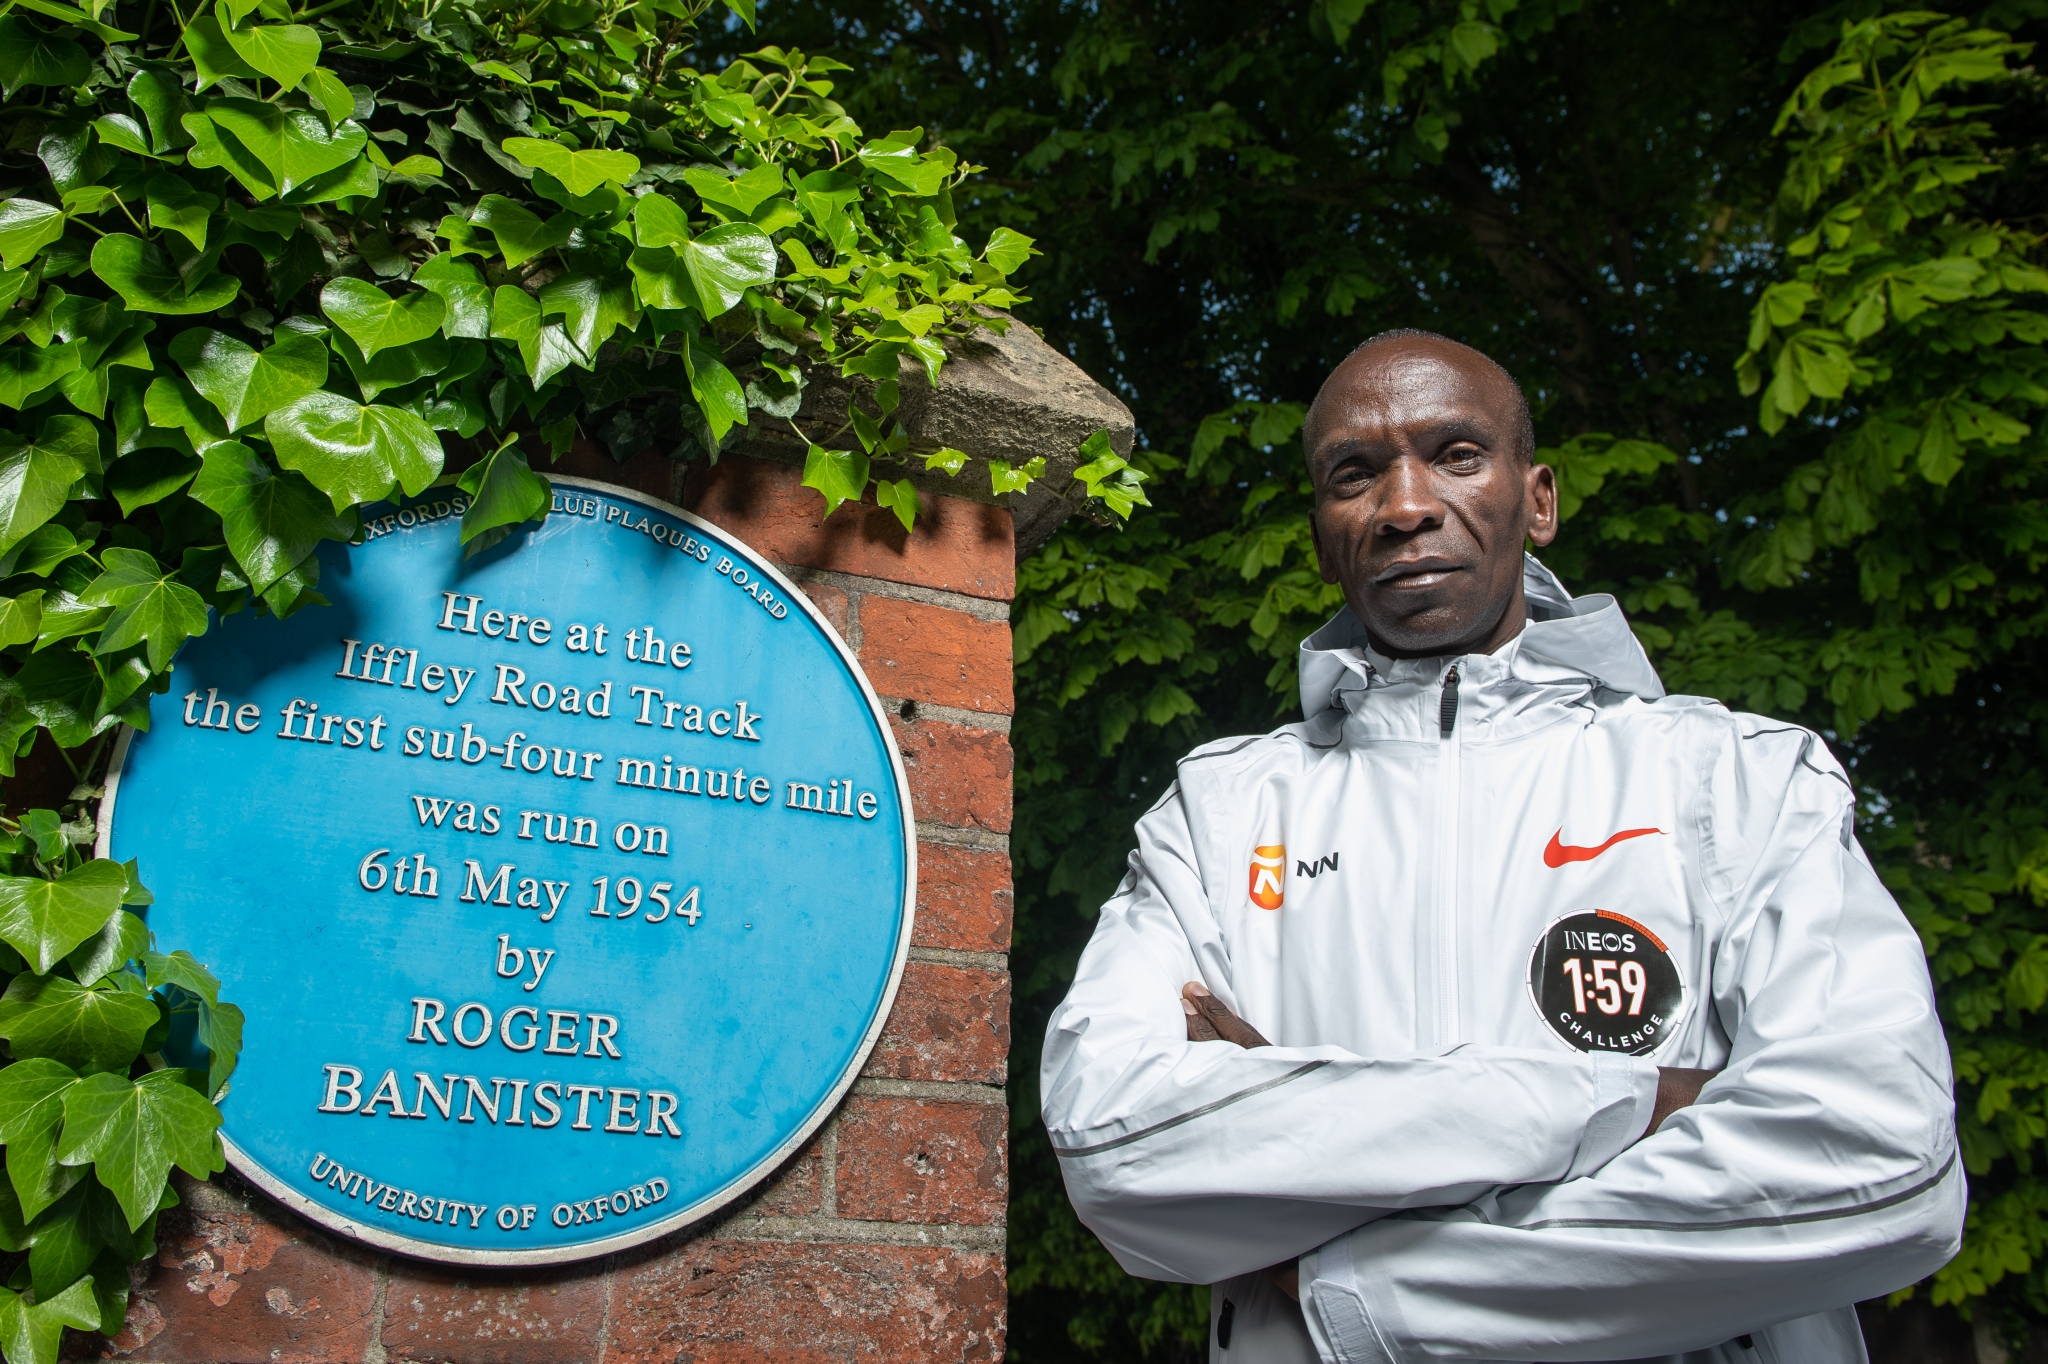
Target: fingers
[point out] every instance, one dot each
(1200, 1029)
(1226, 1026)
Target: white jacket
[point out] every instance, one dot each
(1684, 886)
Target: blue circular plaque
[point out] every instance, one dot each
(566, 889)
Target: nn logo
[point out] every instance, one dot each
(1317, 867)
(1269, 875)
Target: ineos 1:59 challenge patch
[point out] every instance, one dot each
(1603, 982)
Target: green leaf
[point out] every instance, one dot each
(294, 145)
(211, 148)
(26, 370)
(545, 348)
(150, 607)
(718, 394)
(121, 939)
(30, 1334)
(175, 206)
(218, 1024)
(521, 236)
(332, 94)
(57, 1018)
(591, 308)
(900, 163)
(133, 1131)
(355, 453)
(393, 368)
(147, 477)
(44, 920)
(287, 53)
(31, 1112)
(272, 521)
(211, 53)
(31, 57)
(899, 497)
(26, 227)
(841, 475)
(743, 193)
(62, 689)
(148, 283)
(725, 262)
(503, 491)
(580, 172)
(172, 402)
(246, 384)
(376, 321)
(119, 130)
(1006, 250)
(61, 1248)
(36, 478)
(1004, 479)
(461, 286)
(21, 618)
(156, 90)
(659, 221)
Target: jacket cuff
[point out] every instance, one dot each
(1624, 1098)
(1333, 1305)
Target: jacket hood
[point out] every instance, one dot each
(1587, 635)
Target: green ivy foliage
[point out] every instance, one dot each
(91, 1117)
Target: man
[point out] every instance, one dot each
(1593, 1034)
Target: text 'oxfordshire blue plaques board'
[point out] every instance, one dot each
(566, 890)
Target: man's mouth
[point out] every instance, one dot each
(1427, 571)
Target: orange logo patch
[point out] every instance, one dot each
(1269, 875)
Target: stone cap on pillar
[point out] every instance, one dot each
(1010, 397)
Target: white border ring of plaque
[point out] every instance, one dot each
(712, 884)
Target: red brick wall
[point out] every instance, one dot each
(883, 1239)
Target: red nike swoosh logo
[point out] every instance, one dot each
(1557, 854)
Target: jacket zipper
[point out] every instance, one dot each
(1441, 1027)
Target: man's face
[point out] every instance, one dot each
(1422, 500)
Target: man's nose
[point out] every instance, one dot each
(1408, 500)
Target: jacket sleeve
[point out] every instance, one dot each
(1199, 1161)
(1816, 1170)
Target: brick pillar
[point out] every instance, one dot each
(883, 1238)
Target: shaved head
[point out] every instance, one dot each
(1525, 433)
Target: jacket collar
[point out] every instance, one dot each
(1582, 640)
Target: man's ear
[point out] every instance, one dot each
(1315, 537)
(1541, 494)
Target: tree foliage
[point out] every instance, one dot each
(1771, 276)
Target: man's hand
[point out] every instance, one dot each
(1677, 1087)
(1209, 1021)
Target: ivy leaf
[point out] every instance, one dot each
(581, 173)
(57, 1018)
(899, 497)
(36, 478)
(26, 227)
(725, 262)
(214, 58)
(148, 283)
(133, 1131)
(286, 53)
(332, 94)
(461, 286)
(30, 1334)
(218, 1025)
(246, 384)
(718, 393)
(294, 145)
(211, 147)
(271, 521)
(26, 371)
(520, 234)
(21, 618)
(355, 453)
(150, 607)
(149, 476)
(376, 321)
(591, 308)
(121, 939)
(172, 402)
(841, 475)
(545, 347)
(60, 1247)
(156, 90)
(175, 206)
(29, 57)
(62, 689)
(1007, 249)
(44, 920)
(900, 162)
(393, 368)
(659, 221)
(31, 1111)
(1004, 479)
(503, 491)
(743, 194)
